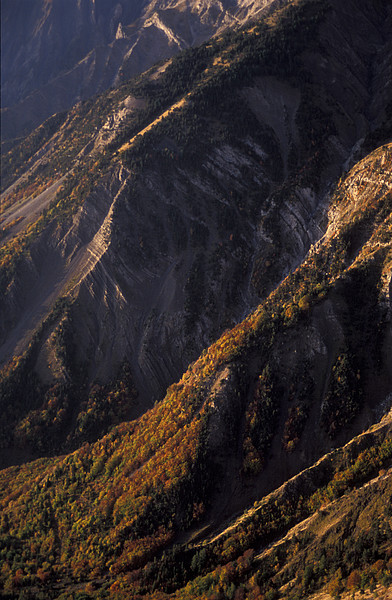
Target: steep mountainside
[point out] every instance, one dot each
(56, 53)
(195, 321)
(141, 513)
(142, 224)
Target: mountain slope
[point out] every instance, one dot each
(175, 233)
(223, 221)
(315, 353)
(55, 54)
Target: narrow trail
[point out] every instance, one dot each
(161, 117)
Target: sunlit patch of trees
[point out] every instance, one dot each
(260, 421)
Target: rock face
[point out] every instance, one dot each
(57, 53)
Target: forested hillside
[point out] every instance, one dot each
(144, 223)
(137, 513)
(195, 324)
